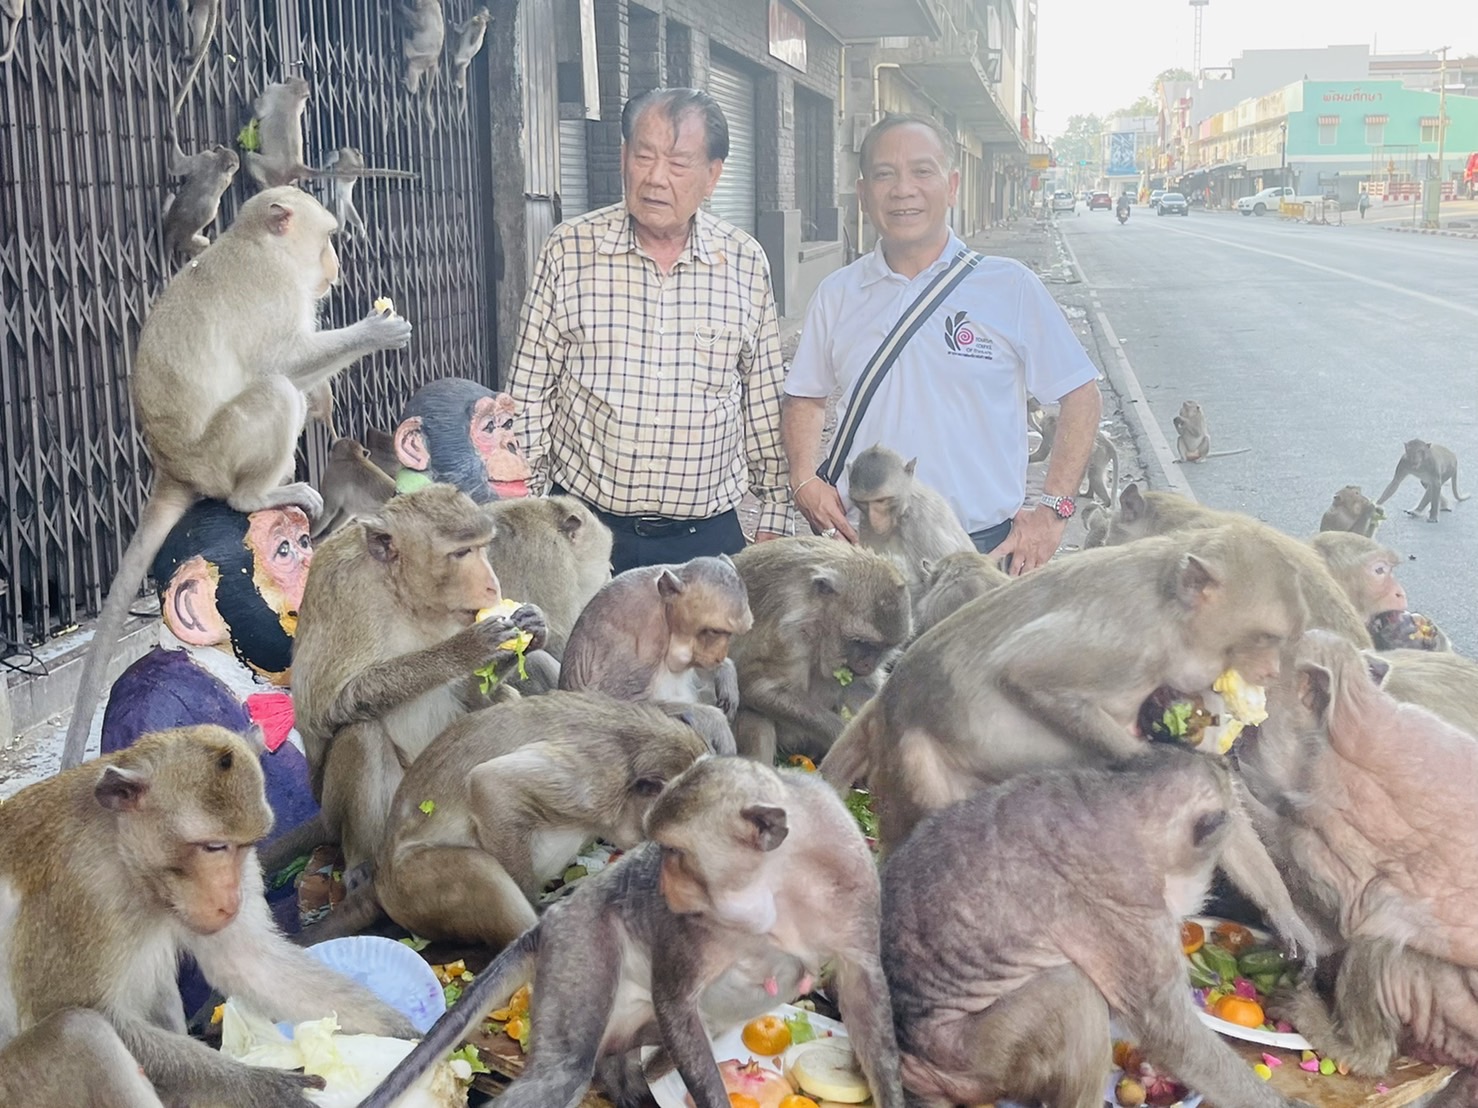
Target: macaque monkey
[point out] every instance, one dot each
(552, 552)
(15, 11)
(188, 212)
(662, 633)
(352, 486)
(1103, 464)
(1439, 681)
(1433, 466)
(1365, 569)
(425, 33)
(278, 159)
(321, 408)
(202, 18)
(1096, 519)
(345, 167)
(749, 875)
(469, 42)
(1143, 513)
(1352, 510)
(1075, 903)
(903, 519)
(219, 394)
(1192, 440)
(109, 874)
(56, 1064)
(828, 617)
(381, 447)
(952, 583)
(503, 800)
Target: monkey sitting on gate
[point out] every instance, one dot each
(1016, 921)
(1433, 466)
(902, 519)
(500, 804)
(662, 633)
(386, 650)
(749, 874)
(827, 618)
(112, 871)
(352, 486)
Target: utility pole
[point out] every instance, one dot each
(1432, 206)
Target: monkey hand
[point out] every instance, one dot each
(530, 621)
(385, 330)
(262, 1087)
(726, 689)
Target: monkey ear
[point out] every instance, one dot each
(648, 786)
(1316, 690)
(910, 465)
(379, 541)
(569, 525)
(1131, 503)
(1378, 667)
(1206, 826)
(668, 584)
(768, 824)
(121, 790)
(1196, 581)
(825, 583)
(279, 219)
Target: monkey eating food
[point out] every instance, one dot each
(1366, 571)
(112, 871)
(278, 159)
(749, 874)
(662, 633)
(1192, 439)
(220, 395)
(1433, 466)
(1075, 902)
(1352, 510)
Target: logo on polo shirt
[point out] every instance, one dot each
(965, 339)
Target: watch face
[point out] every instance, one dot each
(1066, 507)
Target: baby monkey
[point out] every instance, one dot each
(902, 518)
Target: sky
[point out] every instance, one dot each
(1098, 55)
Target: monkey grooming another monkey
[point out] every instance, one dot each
(751, 875)
(470, 36)
(902, 519)
(1433, 466)
(1192, 440)
(552, 552)
(828, 617)
(352, 486)
(112, 871)
(386, 649)
(1075, 897)
(952, 583)
(190, 211)
(501, 803)
(662, 633)
(278, 159)
(224, 358)
(425, 32)
(1352, 510)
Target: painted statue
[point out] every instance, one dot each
(460, 432)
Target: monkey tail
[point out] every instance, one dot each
(850, 758)
(507, 971)
(166, 506)
(201, 49)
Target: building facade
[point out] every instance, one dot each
(1128, 153)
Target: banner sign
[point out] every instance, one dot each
(1121, 155)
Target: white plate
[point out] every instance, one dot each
(392, 971)
(1283, 1040)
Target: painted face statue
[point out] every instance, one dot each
(235, 582)
(460, 432)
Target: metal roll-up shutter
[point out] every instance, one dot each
(574, 180)
(733, 198)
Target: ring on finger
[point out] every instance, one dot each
(830, 533)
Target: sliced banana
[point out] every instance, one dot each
(827, 1070)
(506, 607)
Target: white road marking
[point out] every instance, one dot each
(1169, 466)
(1373, 282)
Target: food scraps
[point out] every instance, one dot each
(513, 1018)
(1232, 975)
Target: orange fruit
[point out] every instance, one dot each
(742, 1100)
(1192, 937)
(1239, 1010)
(798, 1101)
(1233, 937)
(766, 1035)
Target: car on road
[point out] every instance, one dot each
(1260, 203)
(1155, 195)
(1062, 201)
(1173, 203)
(1102, 200)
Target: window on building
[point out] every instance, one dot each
(1429, 131)
(815, 166)
(1328, 130)
(1375, 130)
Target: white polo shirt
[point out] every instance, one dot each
(956, 397)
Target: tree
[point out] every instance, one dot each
(1143, 106)
(1079, 141)
(1174, 73)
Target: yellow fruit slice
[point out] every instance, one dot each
(829, 1071)
(505, 607)
(1247, 703)
(384, 304)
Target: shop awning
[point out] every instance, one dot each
(860, 20)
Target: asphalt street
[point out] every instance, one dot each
(1318, 349)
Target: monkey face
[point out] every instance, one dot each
(1379, 589)
(882, 515)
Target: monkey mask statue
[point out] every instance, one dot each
(460, 432)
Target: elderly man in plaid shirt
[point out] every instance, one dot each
(648, 373)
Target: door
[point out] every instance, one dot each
(574, 178)
(733, 198)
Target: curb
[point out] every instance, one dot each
(1434, 231)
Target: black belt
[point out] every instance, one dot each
(646, 526)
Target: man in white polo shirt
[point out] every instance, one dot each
(955, 396)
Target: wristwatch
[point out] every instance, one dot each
(1062, 505)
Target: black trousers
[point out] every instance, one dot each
(653, 540)
(987, 540)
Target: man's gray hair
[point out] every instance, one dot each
(904, 119)
(676, 104)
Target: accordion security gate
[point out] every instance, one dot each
(84, 150)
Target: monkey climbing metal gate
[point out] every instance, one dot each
(84, 156)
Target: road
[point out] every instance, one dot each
(1322, 349)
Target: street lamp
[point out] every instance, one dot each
(1283, 152)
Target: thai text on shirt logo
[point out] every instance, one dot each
(964, 339)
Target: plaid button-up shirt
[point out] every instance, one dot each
(646, 393)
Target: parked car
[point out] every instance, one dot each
(1262, 201)
(1062, 201)
(1155, 195)
(1100, 200)
(1173, 203)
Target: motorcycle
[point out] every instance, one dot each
(1123, 213)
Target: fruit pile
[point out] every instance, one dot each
(1232, 975)
(1142, 1083)
(815, 1071)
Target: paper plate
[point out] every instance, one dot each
(392, 971)
(1283, 1040)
